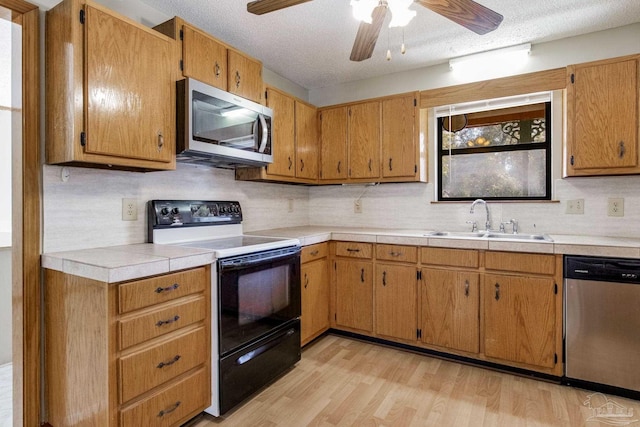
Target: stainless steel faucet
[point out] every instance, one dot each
(487, 225)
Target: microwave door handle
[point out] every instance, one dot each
(265, 133)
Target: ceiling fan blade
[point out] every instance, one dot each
(367, 35)
(468, 13)
(260, 7)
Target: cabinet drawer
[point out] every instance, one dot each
(450, 257)
(397, 253)
(312, 252)
(148, 368)
(134, 330)
(354, 249)
(147, 292)
(169, 406)
(520, 262)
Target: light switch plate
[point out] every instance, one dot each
(575, 206)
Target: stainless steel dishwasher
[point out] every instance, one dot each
(602, 324)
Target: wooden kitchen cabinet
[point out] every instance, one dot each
(399, 137)
(522, 310)
(350, 141)
(244, 77)
(294, 135)
(127, 354)
(201, 56)
(396, 301)
(333, 144)
(353, 270)
(109, 89)
(450, 309)
(315, 292)
(602, 117)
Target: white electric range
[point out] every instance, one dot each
(255, 294)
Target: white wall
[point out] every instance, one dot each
(5, 311)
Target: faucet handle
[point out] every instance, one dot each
(474, 226)
(515, 225)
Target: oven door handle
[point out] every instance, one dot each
(249, 260)
(247, 357)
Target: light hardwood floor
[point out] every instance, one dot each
(345, 382)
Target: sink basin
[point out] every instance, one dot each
(520, 236)
(454, 234)
(491, 235)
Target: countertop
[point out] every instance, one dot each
(120, 263)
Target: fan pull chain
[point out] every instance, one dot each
(388, 49)
(403, 49)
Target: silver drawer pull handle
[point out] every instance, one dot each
(353, 250)
(395, 254)
(168, 321)
(497, 291)
(164, 412)
(314, 253)
(466, 288)
(173, 287)
(169, 363)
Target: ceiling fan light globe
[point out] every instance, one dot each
(362, 9)
(401, 15)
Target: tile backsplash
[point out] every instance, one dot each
(85, 211)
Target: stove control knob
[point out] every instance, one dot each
(164, 211)
(175, 211)
(223, 209)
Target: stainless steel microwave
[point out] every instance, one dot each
(221, 129)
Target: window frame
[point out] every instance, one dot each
(546, 145)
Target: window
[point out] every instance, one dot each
(495, 150)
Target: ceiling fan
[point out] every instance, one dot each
(467, 13)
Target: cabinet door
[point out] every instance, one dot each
(333, 134)
(395, 301)
(315, 300)
(354, 294)
(283, 133)
(450, 310)
(306, 141)
(245, 76)
(364, 140)
(203, 58)
(519, 319)
(398, 137)
(129, 108)
(603, 117)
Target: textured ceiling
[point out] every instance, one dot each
(310, 43)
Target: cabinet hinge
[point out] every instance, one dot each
(419, 275)
(266, 95)
(555, 358)
(415, 168)
(82, 16)
(572, 160)
(181, 34)
(573, 78)
(335, 266)
(349, 112)
(83, 139)
(555, 288)
(335, 316)
(415, 102)
(418, 333)
(181, 65)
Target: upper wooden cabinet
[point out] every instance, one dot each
(294, 133)
(602, 117)
(373, 140)
(201, 56)
(399, 126)
(109, 89)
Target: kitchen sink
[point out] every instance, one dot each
(491, 235)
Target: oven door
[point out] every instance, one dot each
(257, 293)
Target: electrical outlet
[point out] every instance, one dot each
(575, 206)
(290, 205)
(615, 206)
(129, 210)
(357, 206)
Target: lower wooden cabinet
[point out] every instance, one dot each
(395, 301)
(520, 319)
(450, 309)
(127, 354)
(354, 294)
(315, 292)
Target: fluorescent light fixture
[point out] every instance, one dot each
(495, 57)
